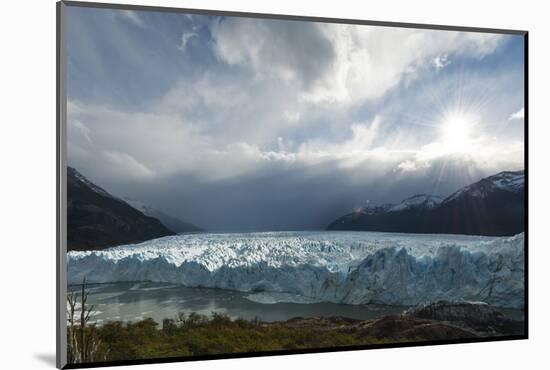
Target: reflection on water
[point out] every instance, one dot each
(136, 301)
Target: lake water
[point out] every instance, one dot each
(136, 301)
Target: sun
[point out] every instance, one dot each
(456, 133)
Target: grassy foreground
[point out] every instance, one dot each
(199, 335)
(207, 335)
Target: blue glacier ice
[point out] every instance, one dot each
(333, 266)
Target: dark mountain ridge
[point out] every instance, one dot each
(493, 206)
(97, 220)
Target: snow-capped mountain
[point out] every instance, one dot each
(508, 181)
(171, 222)
(342, 267)
(374, 210)
(424, 201)
(491, 206)
(73, 174)
(96, 219)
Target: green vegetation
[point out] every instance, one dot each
(202, 335)
(190, 335)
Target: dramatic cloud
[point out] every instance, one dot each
(267, 124)
(281, 49)
(132, 16)
(406, 166)
(441, 61)
(517, 115)
(185, 37)
(338, 63)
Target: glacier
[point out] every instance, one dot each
(332, 266)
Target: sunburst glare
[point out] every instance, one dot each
(457, 133)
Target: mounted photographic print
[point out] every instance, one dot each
(235, 184)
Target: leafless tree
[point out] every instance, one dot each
(82, 338)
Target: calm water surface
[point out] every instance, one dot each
(136, 301)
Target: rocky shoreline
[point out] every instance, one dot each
(441, 320)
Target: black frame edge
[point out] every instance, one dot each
(61, 162)
(526, 188)
(58, 322)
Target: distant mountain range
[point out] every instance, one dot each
(171, 222)
(97, 219)
(492, 206)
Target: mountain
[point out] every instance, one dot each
(171, 222)
(492, 206)
(97, 220)
(509, 182)
(419, 201)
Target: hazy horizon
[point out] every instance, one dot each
(237, 124)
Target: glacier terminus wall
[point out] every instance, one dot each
(333, 266)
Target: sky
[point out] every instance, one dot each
(240, 124)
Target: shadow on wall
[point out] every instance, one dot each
(46, 358)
